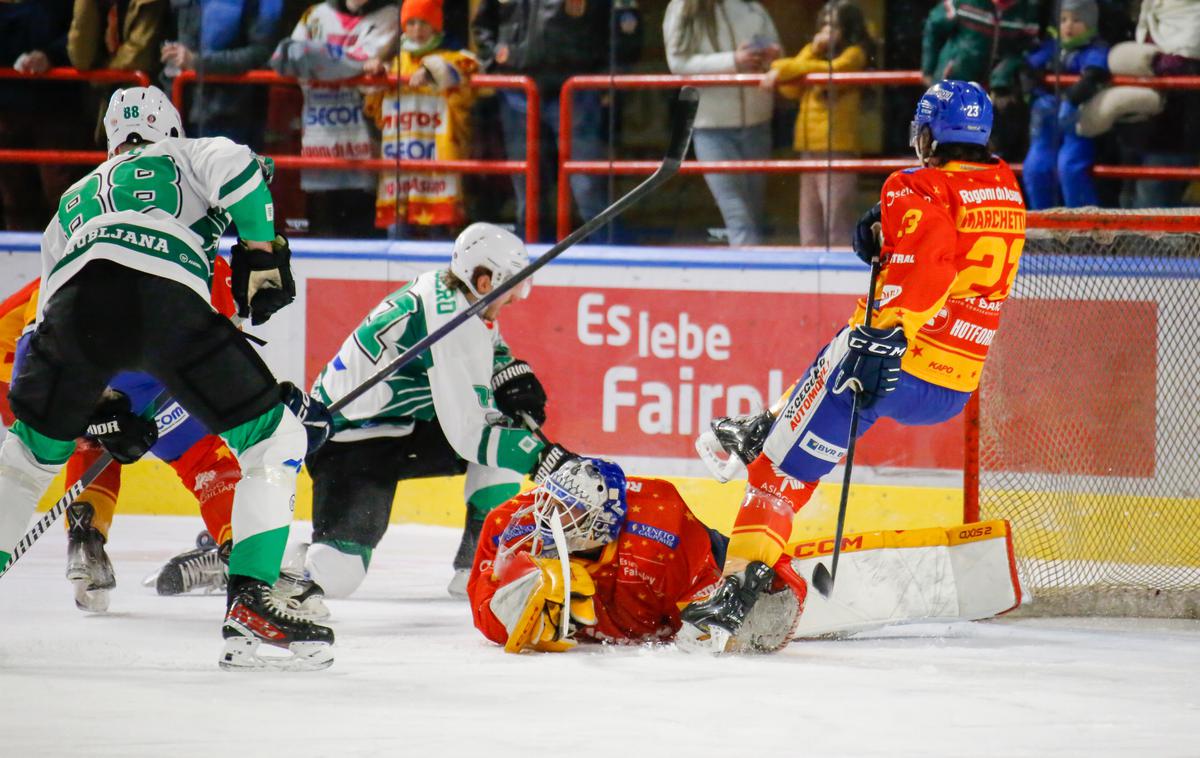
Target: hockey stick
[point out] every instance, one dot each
(560, 542)
(822, 577)
(681, 135)
(72, 492)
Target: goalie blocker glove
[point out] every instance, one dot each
(262, 281)
(125, 435)
(872, 363)
(518, 391)
(317, 420)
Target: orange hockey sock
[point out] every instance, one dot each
(210, 470)
(102, 493)
(764, 520)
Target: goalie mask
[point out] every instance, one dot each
(140, 114)
(499, 251)
(588, 496)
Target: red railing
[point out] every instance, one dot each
(103, 76)
(567, 166)
(528, 167)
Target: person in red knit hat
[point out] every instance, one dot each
(428, 119)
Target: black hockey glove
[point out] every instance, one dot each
(872, 364)
(743, 436)
(551, 459)
(262, 282)
(866, 239)
(518, 391)
(125, 435)
(317, 420)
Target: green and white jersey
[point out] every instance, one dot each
(158, 208)
(449, 383)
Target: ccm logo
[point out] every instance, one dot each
(877, 348)
(982, 531)
(824, 547)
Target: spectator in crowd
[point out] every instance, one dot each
(985, 41)
(551, 41)
(117, 34)
(733, 123)
(120, 34)
(1172, 28)
(1057, 168)
(333, 40)
(428, 118)
(223, 37)
(41, 115)
(827, 125)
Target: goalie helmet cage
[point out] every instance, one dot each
(1084, 434)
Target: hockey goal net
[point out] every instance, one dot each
(1086, 432)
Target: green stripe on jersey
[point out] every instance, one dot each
(254, 215)
(231, 186)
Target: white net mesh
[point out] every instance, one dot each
(1088, 428)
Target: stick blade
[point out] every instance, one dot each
(822, 580)
(681, 129)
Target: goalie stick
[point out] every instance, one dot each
(681, 135)
(822, 578)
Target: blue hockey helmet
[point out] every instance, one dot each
(954, 111)
(588, 495)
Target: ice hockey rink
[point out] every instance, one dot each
(414, 678)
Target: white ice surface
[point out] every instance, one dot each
(413, 678)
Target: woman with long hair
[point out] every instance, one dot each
(827, 124)
(733, 123)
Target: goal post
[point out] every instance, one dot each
(1085, 433)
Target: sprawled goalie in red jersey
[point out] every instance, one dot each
(952, 235)
(635, 555)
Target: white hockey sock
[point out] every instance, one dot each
(22, 482)
(264, 500)
(338, 573)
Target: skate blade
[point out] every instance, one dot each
(241, 654)
(457, 588)
(693, 640)
(89, 601)
(151, 578)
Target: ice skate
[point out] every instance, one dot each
(256, 616)
(301, 596)
(465, 558)
(88, 568)
(710, 624)
(205, 568)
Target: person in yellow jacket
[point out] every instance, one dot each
(827, 125)
(429, 119)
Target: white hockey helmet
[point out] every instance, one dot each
(144, 113)
(497, 250)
